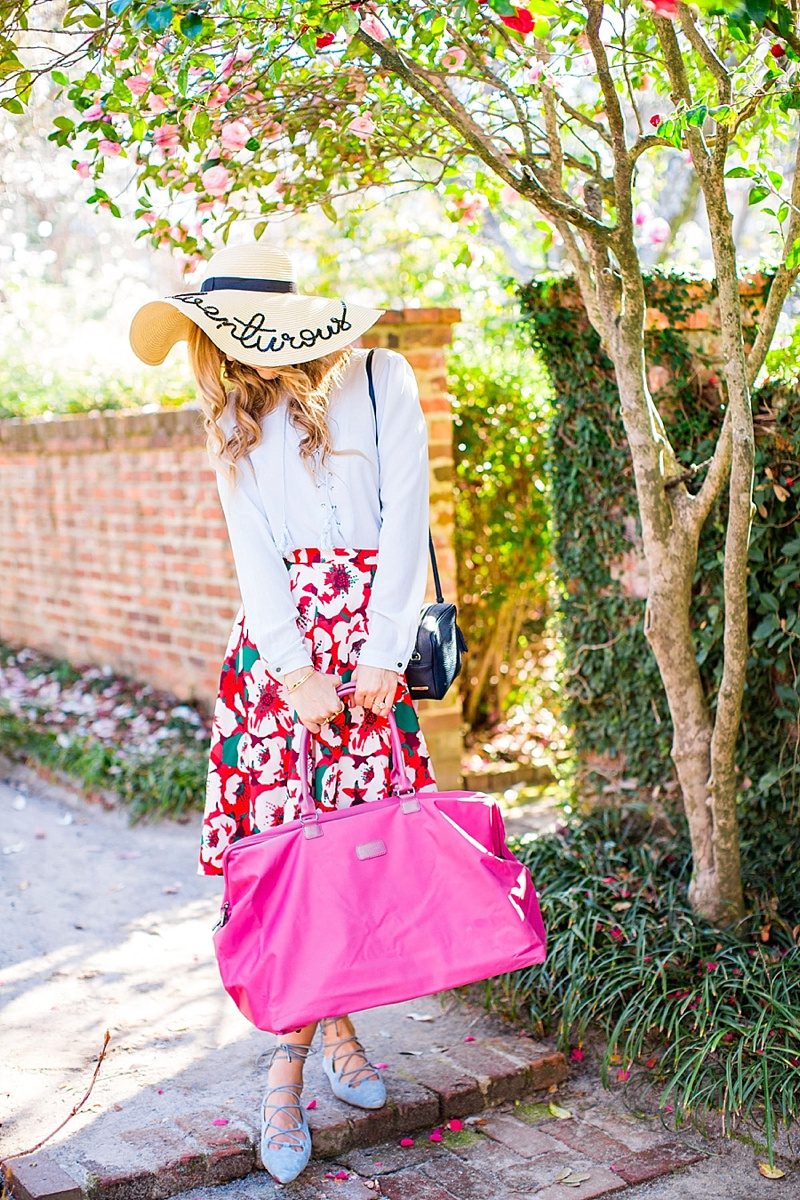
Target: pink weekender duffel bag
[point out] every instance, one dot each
(368, 905)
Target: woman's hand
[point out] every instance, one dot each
(315, 700)
(376, 688)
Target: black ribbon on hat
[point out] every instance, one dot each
(237, 283)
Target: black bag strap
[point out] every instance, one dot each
(436, 583)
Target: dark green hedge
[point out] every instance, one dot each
(614, 699)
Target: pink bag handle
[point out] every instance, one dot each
(401, 783)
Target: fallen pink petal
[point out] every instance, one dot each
(435, 1136)
(381, 1066)
(341, 1175)
(406, 1141)
(220, 1121)
(311, 1104)
(469, 1038)
(455, 1124)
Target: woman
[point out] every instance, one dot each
(326, 508)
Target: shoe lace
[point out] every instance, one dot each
(344, 1058)
(289, 1050)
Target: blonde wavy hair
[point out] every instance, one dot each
(308, 386)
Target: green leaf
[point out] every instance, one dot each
(12, 105)
(159, 19)
(757, 194)
(330, 211)
(793, 257)
(757, 10)
(191, 26)
(696, 116)
(739, 173)
(60, 77)
(259, 229)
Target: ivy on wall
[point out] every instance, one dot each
(614, 699)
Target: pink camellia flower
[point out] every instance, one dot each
(455, 1124)
(156, 103)
(216, 180)
(616, 933)
(138, 84)
(663, 8)
(167, 137)
(655, 120)
(149, 217)
(373, 27)
(777, 50)
(226, 66)
(243, 56)
(435, 1135)
(83, 169)
(106, 146)
(576, 1054)
(205, 205)
(189, 187)
(453, 59)
(363, 125)
(219, 95)
(407, 1141)
(94, 113)
(657, 231)
(642, 214)
(235, 135)
(115, 44)
(536, 70)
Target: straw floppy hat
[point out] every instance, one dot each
(249, 306)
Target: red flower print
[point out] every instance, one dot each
(253, 782)
(270, 700)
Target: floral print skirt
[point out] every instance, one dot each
(252, 780)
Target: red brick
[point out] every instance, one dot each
(521, 1137)
(581, 1135)
(37, 1177)
(601, 1182)
(412, 1185)
(653, 1163)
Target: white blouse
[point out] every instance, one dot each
(375, 497)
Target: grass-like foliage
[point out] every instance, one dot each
(713, 1016)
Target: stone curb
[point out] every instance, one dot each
(172, 1157)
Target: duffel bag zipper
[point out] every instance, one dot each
(223, 916)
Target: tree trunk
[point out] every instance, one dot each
(702, 754)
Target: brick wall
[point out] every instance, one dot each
(113, 546)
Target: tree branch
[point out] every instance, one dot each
(781, 283)
(445, 103)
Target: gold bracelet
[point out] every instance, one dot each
(290, 687)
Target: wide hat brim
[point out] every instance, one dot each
(251, 327)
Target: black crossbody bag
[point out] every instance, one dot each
(436, 658)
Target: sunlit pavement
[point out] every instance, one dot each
(108, 928)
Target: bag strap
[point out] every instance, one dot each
(437, 584)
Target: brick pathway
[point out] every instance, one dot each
(516, 1149)
(128, 951)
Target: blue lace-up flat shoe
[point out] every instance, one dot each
(367, 1092)
(285, 1159)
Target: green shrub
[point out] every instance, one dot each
(712, 1017)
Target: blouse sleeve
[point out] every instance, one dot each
(399, 582)
(270, 611)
